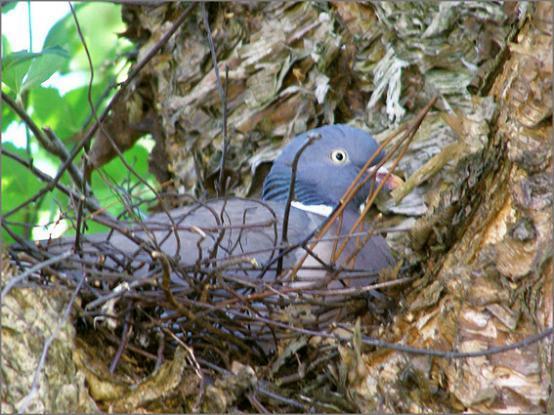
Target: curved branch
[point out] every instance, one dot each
(46, 138)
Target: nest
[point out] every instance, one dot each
(224, 300)
(222, 308)
(146, 307)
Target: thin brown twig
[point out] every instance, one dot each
(222, 95)
(256, 403)
(294, 167)
(124, 340)
(527, 341)
(192, 358)
(92, 130)
(369, 202)
(184, 310)
(349, 194)
(317, 234)
(160, 352)
(262, 389)
(295, 377)
(16, 280)
(86, 147)
(46, 137)
(409, 135)
(99, 122)
(81, 201)
(92, 204)
(115, 340)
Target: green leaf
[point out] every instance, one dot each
(78, 99)
(103, 36)
(18, 185)
(8, 5)
(14, 68)
(43, 67)
(63, 33)
(35, 68)
(6, 47)
(63, 52)
(137, 157)
(8, 116)
(15, 58)
(51, 110)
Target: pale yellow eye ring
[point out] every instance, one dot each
(339, 156)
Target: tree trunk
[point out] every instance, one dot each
(480, 202)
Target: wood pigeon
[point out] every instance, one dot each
(242, 237)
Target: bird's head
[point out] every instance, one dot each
(326, 168)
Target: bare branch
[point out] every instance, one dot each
(21, 277)
(222, 96)
(284, 236)
(49, 141)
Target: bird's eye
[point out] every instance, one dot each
(339, 156)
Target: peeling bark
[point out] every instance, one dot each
(478, 197)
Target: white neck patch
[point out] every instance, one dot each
(322, 210)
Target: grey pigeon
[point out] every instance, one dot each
(242, 238)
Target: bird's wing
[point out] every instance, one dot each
(239, 236)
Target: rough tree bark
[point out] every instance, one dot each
(479, 202)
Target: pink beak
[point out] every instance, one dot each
(391, 182)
